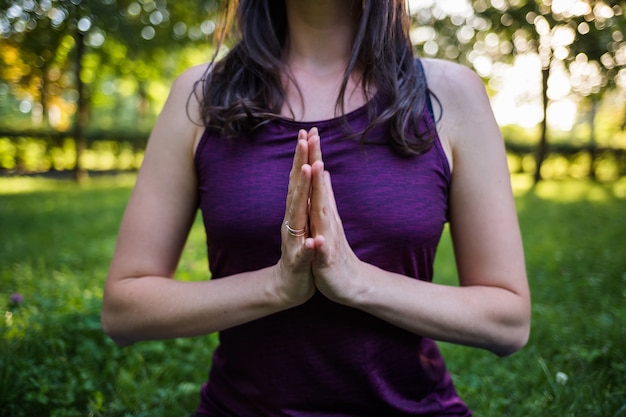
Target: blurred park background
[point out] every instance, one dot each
(81, 83)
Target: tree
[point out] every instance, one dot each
(575, 34)
(598, 58)
(57, 36)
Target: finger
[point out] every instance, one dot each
(320, 207)
(300, 158)
(315, 146)
(328, 186)
(314, 131)
(297, 215)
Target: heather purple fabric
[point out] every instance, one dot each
(321, 358)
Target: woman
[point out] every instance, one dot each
(324, 305)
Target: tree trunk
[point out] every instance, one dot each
(593, 151)
(82, 111)
(43, 98)
(542, 149)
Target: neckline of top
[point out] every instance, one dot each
(349, 117)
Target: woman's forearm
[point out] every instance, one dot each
(491, 318)
(153, 307)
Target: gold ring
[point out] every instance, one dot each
(295, 232)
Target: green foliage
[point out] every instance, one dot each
(58, 238)
(116, 48)
(41, 152)
(133, 50)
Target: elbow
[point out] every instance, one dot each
(115, 316)
(112, 327)
(514, 328)
(511, 347)
(516, 339)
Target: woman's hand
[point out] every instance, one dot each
(293, 274)
(335, 266)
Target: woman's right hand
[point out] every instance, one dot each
(293, 274)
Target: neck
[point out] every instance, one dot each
(321, 33)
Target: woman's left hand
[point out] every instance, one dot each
(335, 266)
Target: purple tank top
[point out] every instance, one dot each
(321, 358)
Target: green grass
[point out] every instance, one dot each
(57, 241)
(58, 237)
(574, 238)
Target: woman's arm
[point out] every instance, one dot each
(141, 300)
(491, 308)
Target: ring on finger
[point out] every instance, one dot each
(295, 232)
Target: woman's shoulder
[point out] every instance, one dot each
(194, 73)
(187, 89)
(452, 82)
(179, 125)
(464, 109)
(189, 80)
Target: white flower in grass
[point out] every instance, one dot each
(561, 378)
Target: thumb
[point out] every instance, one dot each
(321, 250)
(305, 255)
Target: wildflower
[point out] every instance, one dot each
(561, 378)
(16, 298)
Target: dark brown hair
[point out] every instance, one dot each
(244, 89)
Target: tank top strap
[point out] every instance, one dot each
(429, 102)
